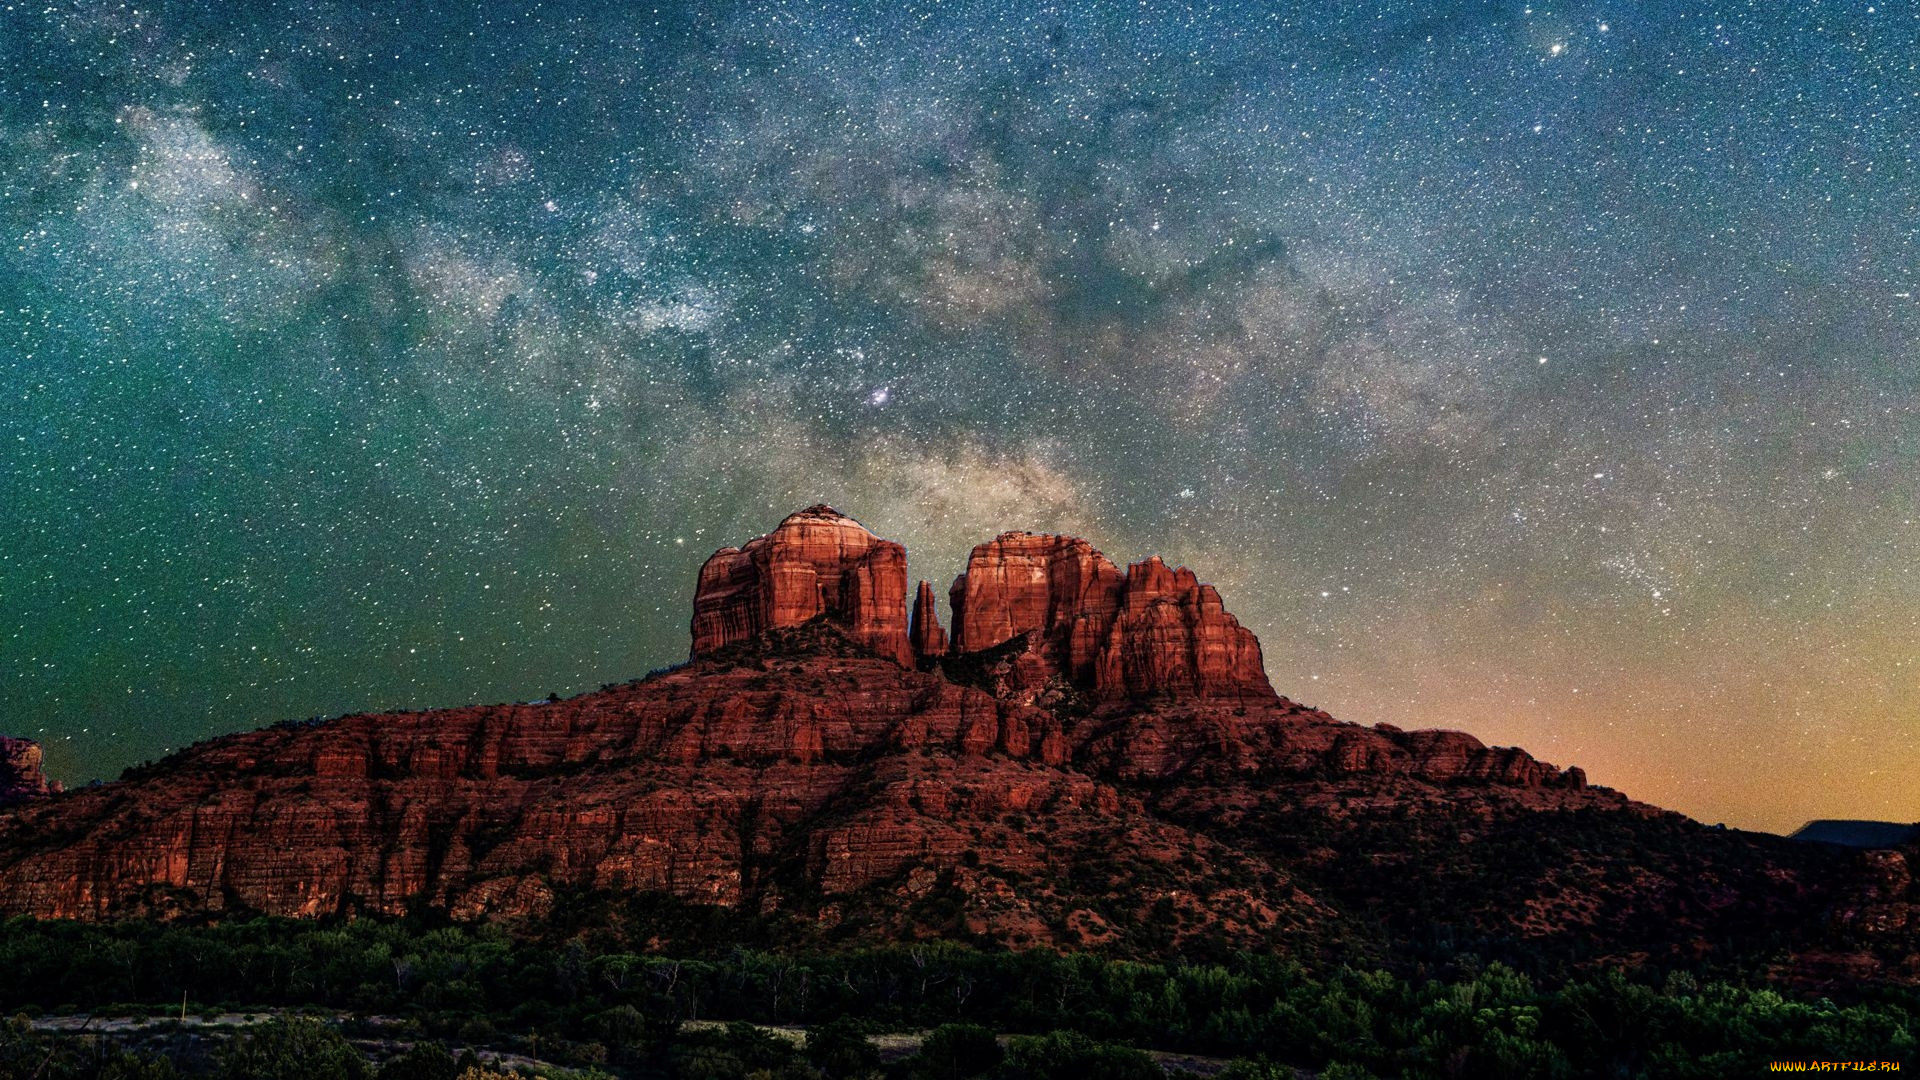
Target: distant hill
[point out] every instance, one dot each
(1858, 834)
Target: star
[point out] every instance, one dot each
(345, 331)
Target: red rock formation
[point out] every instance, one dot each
(1153, 630)
(20, 775)
(797, 773)
(924, 633)
(691, 783)
(803, 759)
(818, 562)
(1020, 582)
(1172, 635)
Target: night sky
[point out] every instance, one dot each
(1548, 372)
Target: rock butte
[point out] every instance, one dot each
(1090, 757)
(849, 762)
(818, 562)
(1151, 630)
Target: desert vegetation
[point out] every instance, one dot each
(406, 1000)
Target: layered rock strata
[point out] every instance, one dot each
(819, 562)
(1098, 761)
(928, 639)
(810, 760)
(1151, 631)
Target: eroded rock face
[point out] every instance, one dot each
(1020, 582)
(1173, 636)
(1202, 739)
(809, 759)
(818, 562)
(1151, 631)
(695, 783)
(1102, 763)
(20, 775)
(928, 640)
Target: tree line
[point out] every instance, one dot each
(594, 1005)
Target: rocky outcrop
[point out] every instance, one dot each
(20, 775)
(1173, 636)
(1020, 582)
(1447, 756)
(818, 562)
(928, 640)
(1206, 742)
(1097, 761)
(1152, 631)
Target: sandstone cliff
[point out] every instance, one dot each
(928, 639)
(20, 775)
(818, 562)
(1098, 760)
(794, 765)
(1149, 631)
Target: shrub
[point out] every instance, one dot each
(1068, 1055)
(957, 1052)
(297, 1049)
(421, 1061)
(839, 1048)
(1242, 1069)
(125, 1066)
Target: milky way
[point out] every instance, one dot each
(1548, 372)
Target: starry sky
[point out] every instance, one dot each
(1546, 371)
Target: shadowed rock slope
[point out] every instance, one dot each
(1092, 758)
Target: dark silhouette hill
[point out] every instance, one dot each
(1858, 834)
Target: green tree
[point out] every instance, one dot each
(957, 1052)
(297, 1049)
(839, 1048)
(1069, 1055)
(425, 1060)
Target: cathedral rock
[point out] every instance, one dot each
(1149, 631)
(1073, 616)
(1087, 756)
